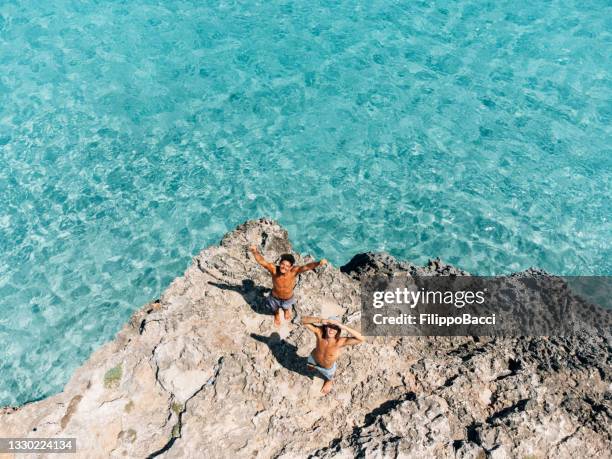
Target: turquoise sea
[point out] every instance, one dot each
(135, 133)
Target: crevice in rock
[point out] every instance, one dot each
(513, 368)
(457, 444)
(473, 435)
(386, 408)
(567, 437)
(176, 430)
(200, 267)
(144, 323)
(514, 365)
(516, 407)
(154, 361)
(110, 401)
(449, 381)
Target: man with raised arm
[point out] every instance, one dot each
(329, 346)
(284, 277)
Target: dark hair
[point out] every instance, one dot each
(287, 257)
(335, 327)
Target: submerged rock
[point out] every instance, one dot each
(202, 372)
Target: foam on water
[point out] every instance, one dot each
(134, 133)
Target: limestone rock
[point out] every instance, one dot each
(202, 372)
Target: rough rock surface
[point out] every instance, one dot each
(202, 372)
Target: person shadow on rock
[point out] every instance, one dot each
(285, 353)
(254, 295)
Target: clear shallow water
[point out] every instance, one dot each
(133, 134)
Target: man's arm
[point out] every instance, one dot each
(308, 322)
(261, 260)
(310, 266)
(355, 338)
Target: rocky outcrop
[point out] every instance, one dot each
(369, 263)
(202, 372)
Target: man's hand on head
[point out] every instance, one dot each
(323, 262)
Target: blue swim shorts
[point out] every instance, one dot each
(328, 373)
(275, 303)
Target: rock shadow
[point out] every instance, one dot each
(253, 295)
(285, 353)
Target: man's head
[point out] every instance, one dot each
(286, 263)
(331, 331)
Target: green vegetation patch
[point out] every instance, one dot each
(177, 408)
(112, 377)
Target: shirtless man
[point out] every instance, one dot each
(284, 277)
(329, 346)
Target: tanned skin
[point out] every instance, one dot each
(284, 277)
(328, 349)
